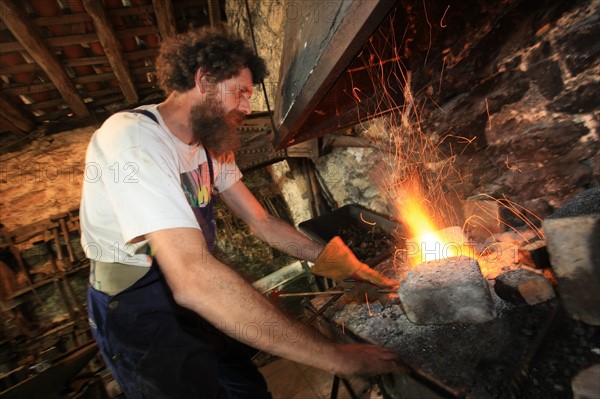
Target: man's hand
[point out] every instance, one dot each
(365, 360)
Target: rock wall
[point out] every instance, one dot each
(506, 95)
(44, 178)
(524, 96)
(268, 21)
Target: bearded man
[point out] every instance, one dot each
(169, 318)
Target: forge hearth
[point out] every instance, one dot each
(483, 360)
(525, 328)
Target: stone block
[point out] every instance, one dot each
(586, 384)
(482, 218)
(450, 290)
(523, 287)
(581, 100)
(573, 237)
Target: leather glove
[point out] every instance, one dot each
(338, 263)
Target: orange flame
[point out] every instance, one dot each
(426, 243)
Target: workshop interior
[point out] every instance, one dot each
(452, 145)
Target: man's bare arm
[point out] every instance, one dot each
(213, 290)
(275, 232)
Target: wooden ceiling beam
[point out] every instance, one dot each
(111, 46)
(136, 55)
(85, 17)
(32, 41)
(59, 41)
(19, 68)
(56, 41)
(8, 126)
(142, 9)
(45, 104)
(165, 17)
(16, 117)
(183, 4)
(63, 19)
(98, 77)
(53, 115)
(71, 62)
(104, 93)
(214, 12)
(133, 55)
(18, 90)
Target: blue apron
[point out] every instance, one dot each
(158, 349)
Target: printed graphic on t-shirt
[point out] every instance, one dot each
(196, 186)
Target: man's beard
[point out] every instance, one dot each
(214, 128)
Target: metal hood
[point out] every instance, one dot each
(316, 94)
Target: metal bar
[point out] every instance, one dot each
(318, 293)
(349, 388)
(323, 308)
(321, 293)
(335, 386)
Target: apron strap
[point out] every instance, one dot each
(211, 170)
(143, 112)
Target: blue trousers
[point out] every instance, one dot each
(157, 349)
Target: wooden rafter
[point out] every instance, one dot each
(59, 41)
(29, 89)
(214, 12)
(17, 119)
(109, 41)
(32, 41)
(165, 17)
(39, 63)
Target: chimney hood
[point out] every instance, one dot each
(322, 76)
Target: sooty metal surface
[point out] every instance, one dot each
(321, 41)
(367, 233)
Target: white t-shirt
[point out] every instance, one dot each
(140, 178)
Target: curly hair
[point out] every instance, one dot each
(216, 51)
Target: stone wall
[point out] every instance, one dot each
(43, 178)
(507, 97)
(524, 94)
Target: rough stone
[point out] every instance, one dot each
(268, 22)
(586, 203)
(482, 218)
(534, 254)
(537, 209)
(586, 384)
(526, 180)
(546, 74)
(553, 137)
(573, 234)
(450, 290)
(548, 79)
(503, 89)
(523, 287)
(581, 45)
(582, 100)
